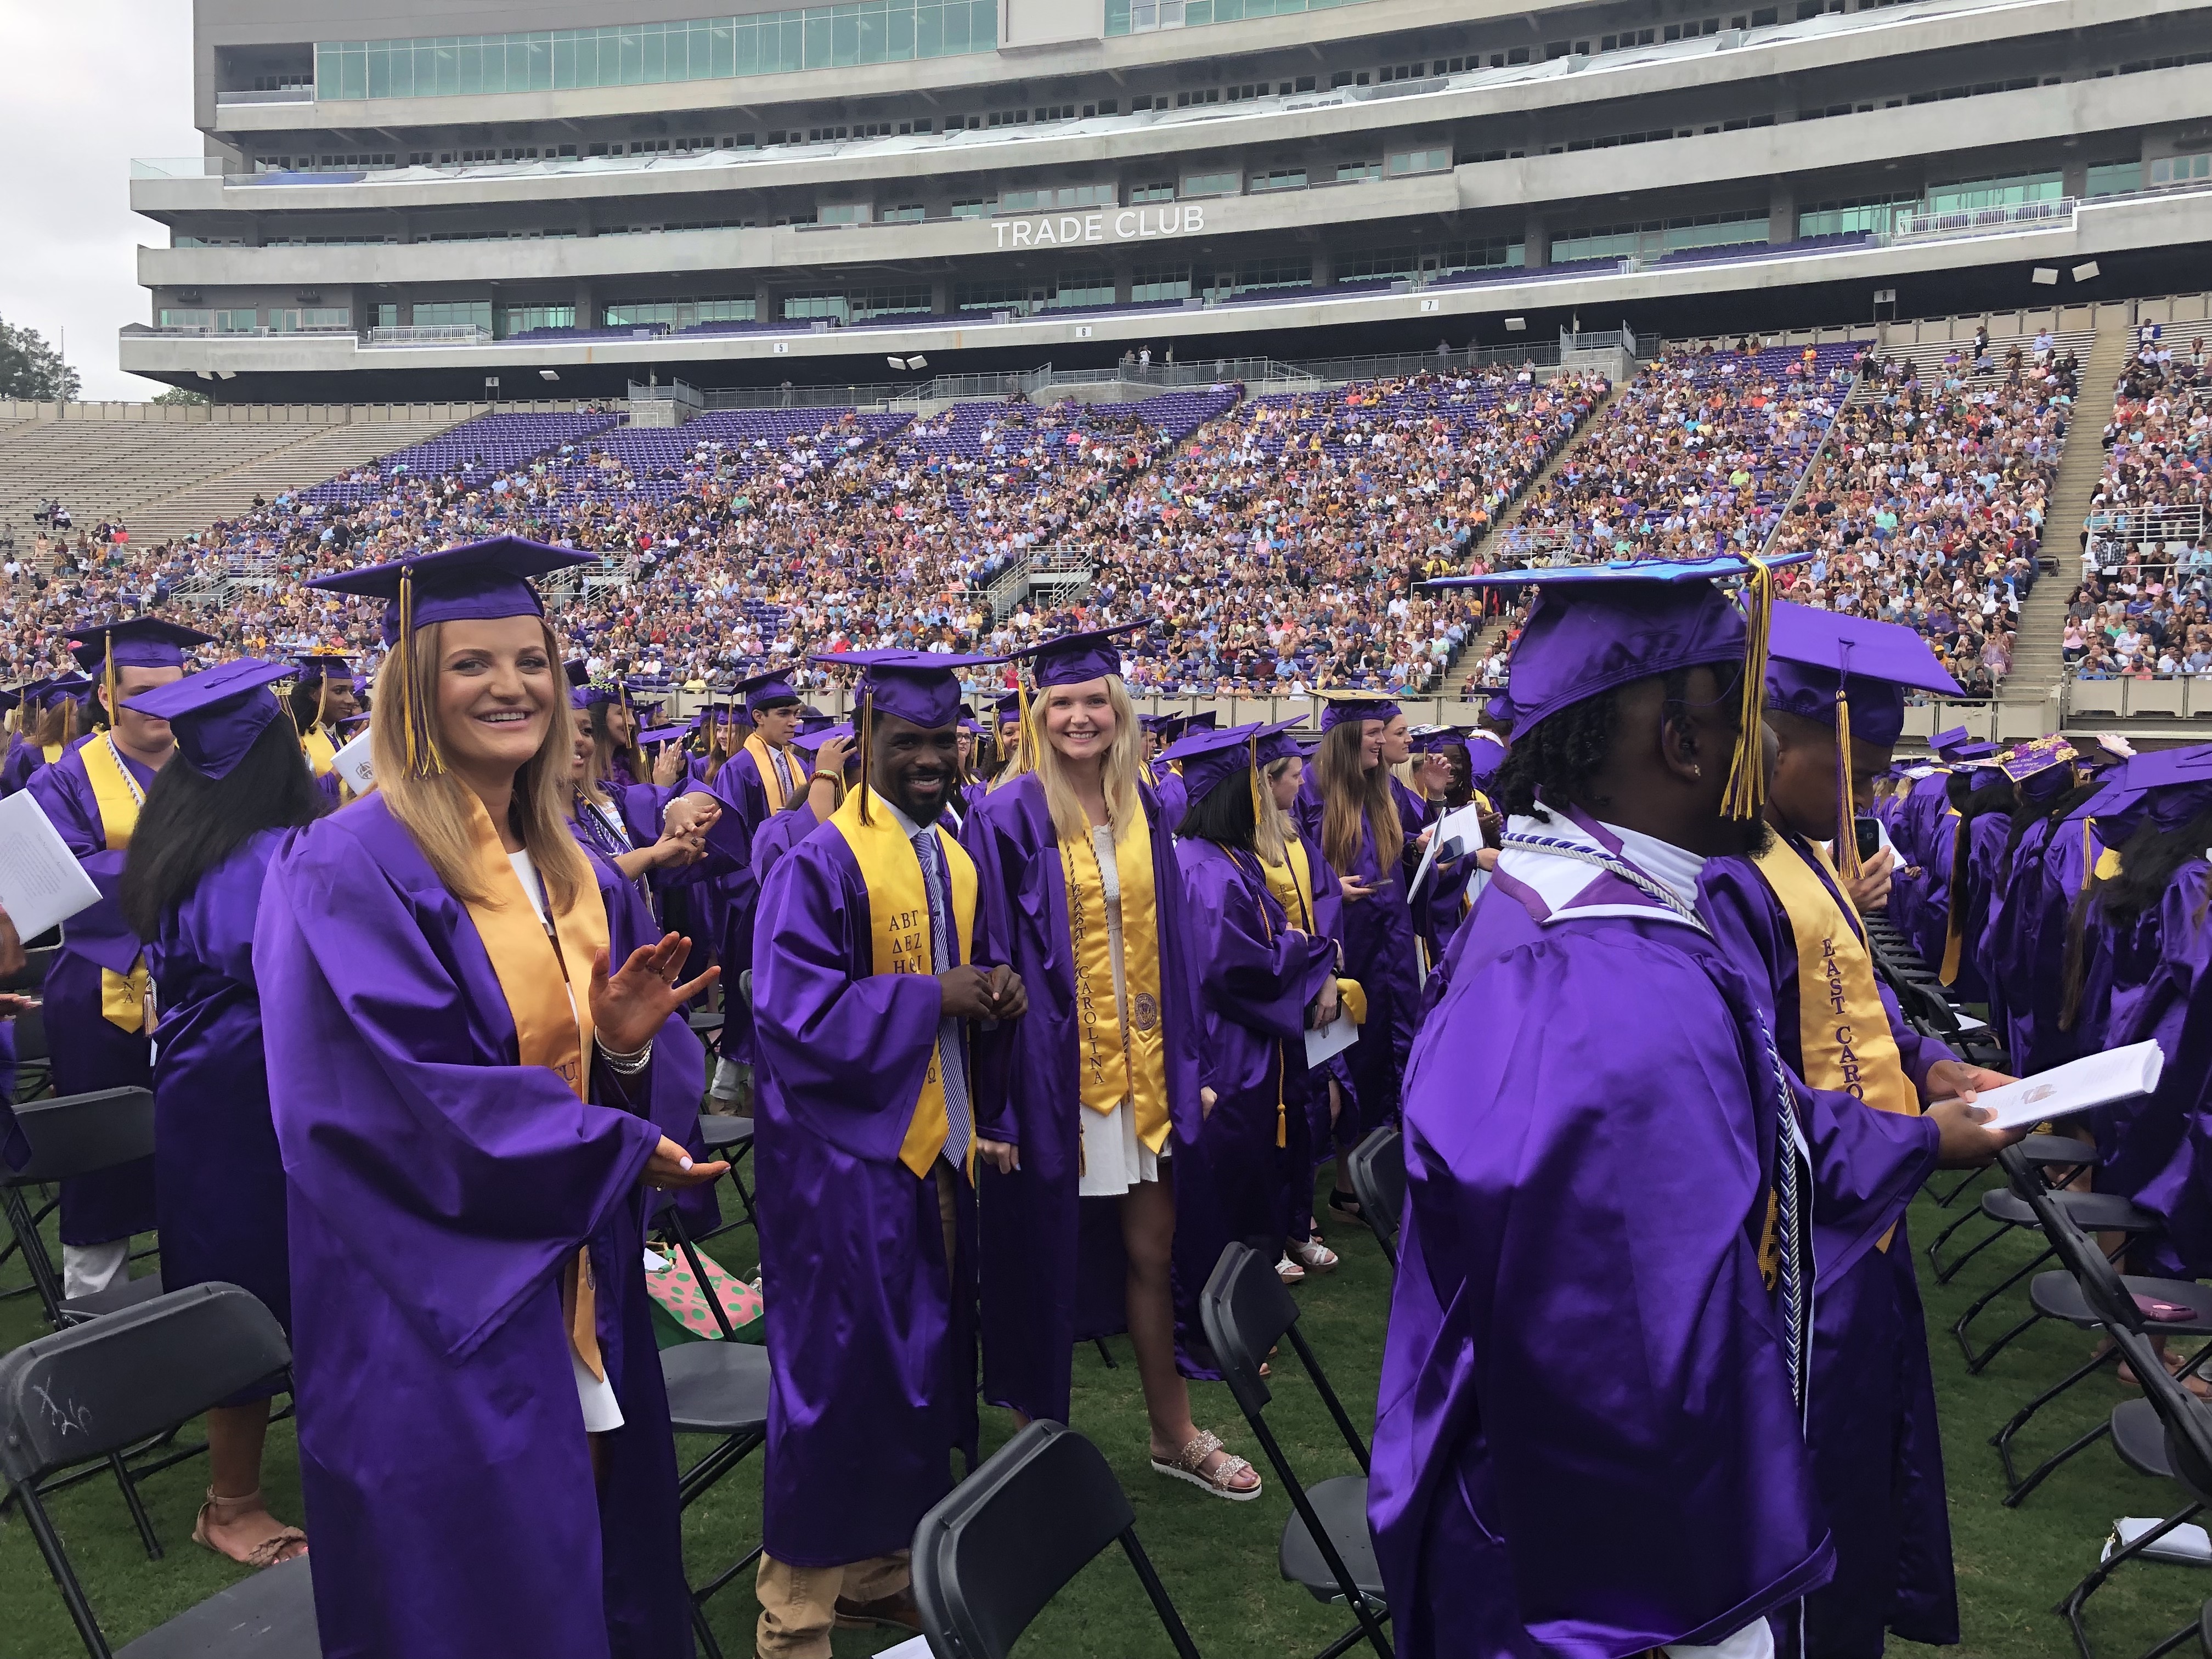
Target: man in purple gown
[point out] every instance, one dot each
(1871, 1424)
(868, 963)
(1604, 1301)
(95, 991)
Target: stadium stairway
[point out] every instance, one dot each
(2036, 663)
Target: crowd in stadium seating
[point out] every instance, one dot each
(2141, 611)
(1274, 543)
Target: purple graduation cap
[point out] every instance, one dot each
(1076, 659)
(1848, 673)
(1943, 743)
(1595, 628)
(1208, 758)
(665, 733)
(215, 717)
(768, 690)
(1499, 707)
(476, 581)
(1008, 709)
(2177, 782)
(64, 685)
(131, 642)
(1485, 753)
(2045, 756)
(318, 669)
(1342, 705)
(579, 672)
(921, 686)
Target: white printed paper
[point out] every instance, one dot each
(351, 764)
(42, 883)
(1333, 1038)
(2079, 1085)
(1464, 826)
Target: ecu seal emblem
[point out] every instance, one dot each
(1145, 1010)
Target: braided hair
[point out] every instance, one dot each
(1551, 762)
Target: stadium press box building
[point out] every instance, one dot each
(569, 196)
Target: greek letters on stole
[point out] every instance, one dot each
(898, 938)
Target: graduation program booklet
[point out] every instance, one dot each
(352, 763)
(1333, 1038)
(42, 883)
(2078, 1087)
(1464, 826)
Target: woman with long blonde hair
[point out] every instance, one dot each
(461, 1089)
(1367, 826)
(1098, 1085)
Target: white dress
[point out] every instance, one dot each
(602, 1411)
(1114, 1159)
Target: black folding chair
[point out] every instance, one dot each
(2046, 1151)
(1327, 1546)
(717, 1388)
(2058, 1295)
(2100, 1212)
(732, 1138)
(74, 1135)
(1000, 1544)
(1376, 1167)
(2167, 1433)
(85, 1393)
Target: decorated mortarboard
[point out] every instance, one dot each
(1596, 628)
(767, 690)
(476, 581)
(216, 716)
(1076, 659)
(1342, 705)
(2024, 761)
(133, 642)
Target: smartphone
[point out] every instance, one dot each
(1869, 834)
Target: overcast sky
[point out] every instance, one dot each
(94, 83)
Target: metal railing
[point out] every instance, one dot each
(2153, 523)
(666, 391)
(429, 334)
(1928, 225)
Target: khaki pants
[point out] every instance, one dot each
(799, 1605)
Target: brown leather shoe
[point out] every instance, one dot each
(892, 1611)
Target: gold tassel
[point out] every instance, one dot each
(108, 686)
(1847, 834)
(1253, 742)
(1747, 785)
(867, 728)
(1029, 734)
(423, 760)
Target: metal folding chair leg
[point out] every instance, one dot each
(1973, 1364)
(1944, 1275)
(2078, 1598)
(2017, 1485)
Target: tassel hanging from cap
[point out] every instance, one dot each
(1847, 833)
(1258, 817)
(108, 686)
(867, 730)
(1747, 786)
(420, 743)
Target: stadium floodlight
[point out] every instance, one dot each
(917, 362)
(898, 363)
(549, 373)
(2045, 276)
(2083, 272)
(205, 374)
(226, 373)
(1515, 325)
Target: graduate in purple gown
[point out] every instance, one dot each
(755, 783)
(1302, 883)
(1104, 1085)
(95, 991)
(462, 1086)
(192, 887)
(1604, 1295)
(872, 958)
(830, 754)
(2148, 906)
(322, 700)
(1359, 815)
(1263, 980)
(1789, 916)
(50, 724)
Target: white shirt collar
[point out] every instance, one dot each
(1661, 860)
(907, 827)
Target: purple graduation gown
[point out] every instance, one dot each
(221, 1188)
(744, 799)
(1307, 1091)
(1379, 947)
(874, 1384)
(778, 835)
(1255, 980)
(88, 1053)
(23, 760)
(2049, 868)
(1044, 1291)
(1578, 1330)
(1877, 1456)
(436, 1189)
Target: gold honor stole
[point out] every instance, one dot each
(122, 996)
(1844, 1040)
(1292, 882)
(772, 780)
(315, 743)
(552, 1026)
(1113, 1065)
(898, 937)
(52, 751)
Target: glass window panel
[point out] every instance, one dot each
(873, 46)
(652, 55)
(845, 37)
(929, 30)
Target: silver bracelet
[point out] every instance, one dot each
(629, 1065)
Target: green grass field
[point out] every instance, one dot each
(1218, 1559)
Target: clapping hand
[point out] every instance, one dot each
(630, 1008)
